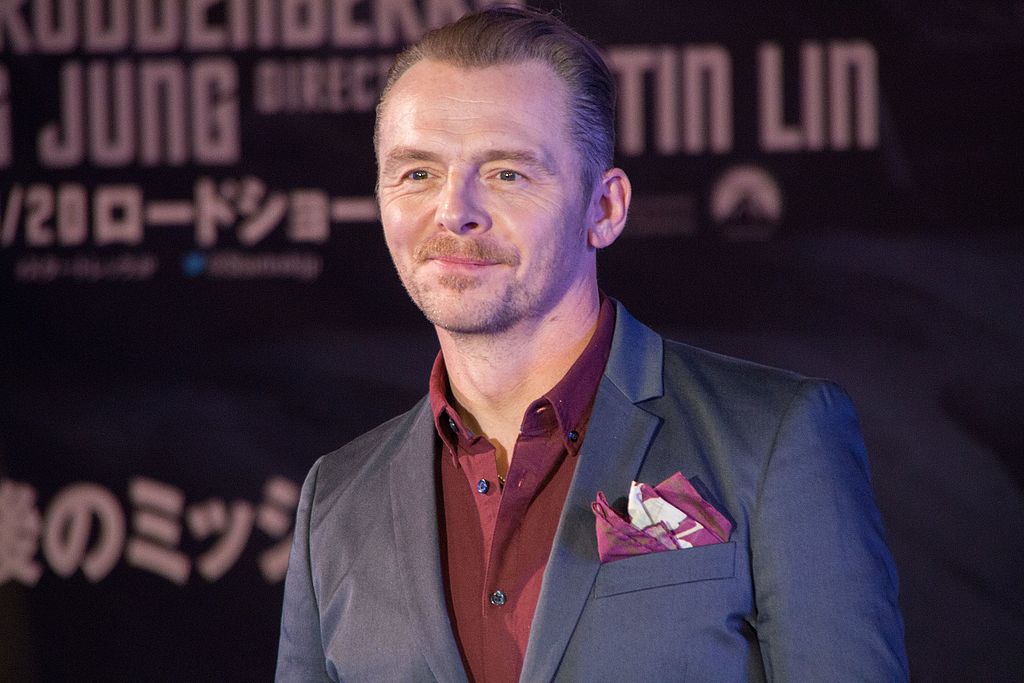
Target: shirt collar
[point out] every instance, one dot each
(446, 419)
(566, 406)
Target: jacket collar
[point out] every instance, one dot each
(615, 446)
(635, 363)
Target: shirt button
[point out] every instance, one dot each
(451, 424)
(498, 598)
(482, 486)
(574, 436)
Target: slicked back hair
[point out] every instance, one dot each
(512, 35)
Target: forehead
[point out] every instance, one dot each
(443, 104)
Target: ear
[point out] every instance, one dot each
(608, 208)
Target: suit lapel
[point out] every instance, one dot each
(417, 540)
(618, 437)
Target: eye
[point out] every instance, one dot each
(418, 174)
(509, 176)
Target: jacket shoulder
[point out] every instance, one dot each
(369, 454)
(731, 378)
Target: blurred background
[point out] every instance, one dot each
(197, 302)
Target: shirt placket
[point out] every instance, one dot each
(534, 456)
(481, 472)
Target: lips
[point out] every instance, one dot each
(462, 261)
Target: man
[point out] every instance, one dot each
(460, 540)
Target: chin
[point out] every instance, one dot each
(460, 314)
(465, 305)
(467, 321)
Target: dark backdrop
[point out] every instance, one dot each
(197, 302)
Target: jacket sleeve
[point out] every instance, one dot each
(825, 584)
(300, 654)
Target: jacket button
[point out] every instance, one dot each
(482, 486)
(498, 598)
(574, 436)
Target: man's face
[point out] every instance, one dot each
(480, 194)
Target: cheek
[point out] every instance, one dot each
(529, 221)
(400, 224)
(525, 206)
(400, 246)
(397, 236)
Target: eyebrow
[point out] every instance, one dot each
(402, 155)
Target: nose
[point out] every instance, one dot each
(459, 209)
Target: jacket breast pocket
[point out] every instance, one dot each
(671, 567)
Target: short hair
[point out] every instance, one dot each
(512, 35)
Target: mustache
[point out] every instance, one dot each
(449, 246)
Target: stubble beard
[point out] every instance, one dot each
(449, 302)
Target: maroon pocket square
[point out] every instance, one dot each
(669, 516)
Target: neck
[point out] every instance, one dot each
(494, 377)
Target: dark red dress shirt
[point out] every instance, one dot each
(497, 538)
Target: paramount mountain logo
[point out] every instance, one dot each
(746, 204)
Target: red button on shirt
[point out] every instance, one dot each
(497, 538)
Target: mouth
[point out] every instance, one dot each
(450, 253)
(463, 261)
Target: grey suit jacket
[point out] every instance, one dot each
(805, 589)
